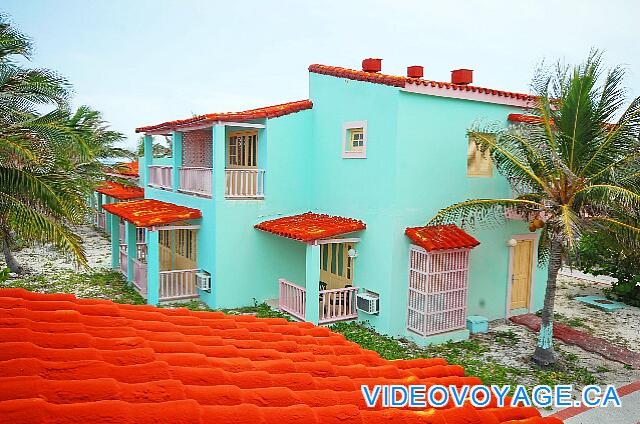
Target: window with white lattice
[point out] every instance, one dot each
(354, 140)
(242, 149)
(437, 298)
(479, 163)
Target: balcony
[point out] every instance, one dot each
(334, 305)
(160, 176)
(244, 183)
(178, 285)
(196, 180)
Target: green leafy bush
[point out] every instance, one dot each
(600, 255)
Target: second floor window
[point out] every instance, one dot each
(354, 140)
(479, 163)
(242, 149)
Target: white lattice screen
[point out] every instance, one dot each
(438, 283)
(197, 149)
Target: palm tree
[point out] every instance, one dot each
(577, 173)
(49, 161)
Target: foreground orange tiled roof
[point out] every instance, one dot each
(150, 212)
(120, 192)
(400, 81)
(93, 361)
(311, 226)
(441, 237)
(247, 115)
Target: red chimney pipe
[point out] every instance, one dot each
(372, 65)
(415, 71)
(462, 76)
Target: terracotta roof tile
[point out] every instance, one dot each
(401, 81)
(121, 192)
(150, 212)
(311, 226)
(247, 115)
(64, 359)
(441, 237)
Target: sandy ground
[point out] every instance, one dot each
(44, 260)
(620, 327)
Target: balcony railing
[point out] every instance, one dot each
(140, 237)
(178, 284)
(337, 305)
(123, 262)
(334, 305)
(100, 220)
(160, 176)
(196, 181)
(292, 299)
(244, 183)
(140, 276)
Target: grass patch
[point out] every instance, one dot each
(104, 284)
(260, 310)
(473, 356)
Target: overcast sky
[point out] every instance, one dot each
(145, 62)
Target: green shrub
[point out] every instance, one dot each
(600, 255)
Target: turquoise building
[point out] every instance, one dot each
(319, 207)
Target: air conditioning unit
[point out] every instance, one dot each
(203, 281)
(368, 302)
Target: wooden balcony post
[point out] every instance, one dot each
(153, 268)
(176, 156)
(115, 242)
(312, 281)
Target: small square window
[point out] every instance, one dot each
(354, 142)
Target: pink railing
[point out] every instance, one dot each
(292, 299)
(196, 180)
(160, 176)
(122, 240)
(247, 183)
(337, 305)
(101, 220)
(140, 276)
(123, 262)
(178, 284)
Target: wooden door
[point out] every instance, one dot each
(336, 267)
(521, 263)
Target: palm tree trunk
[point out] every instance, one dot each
(544, 354)
(11, 261)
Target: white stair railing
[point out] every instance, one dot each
(293, 299)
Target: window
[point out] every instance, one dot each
(336, 266)
(242, 149)
(479, 164)
(354, 140)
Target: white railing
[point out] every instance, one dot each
(123, 262)
(292, 299)
(245, 183)
(161, 176)
(140, 276)
(195, 180)
(178, 284)
(337, 305)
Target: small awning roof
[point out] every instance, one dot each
(121, 192)
(311, 226)
(441, 237)
(151, 212)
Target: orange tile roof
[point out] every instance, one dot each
(247, 115)
(311, 226)
(65, 359)
(120, 191)
(401, 81)
(529, 119)
(151, 212)
(441, 237)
